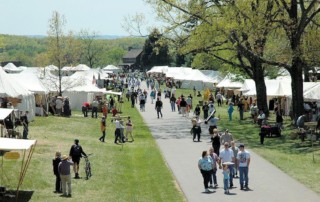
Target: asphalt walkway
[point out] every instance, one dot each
(172, 134)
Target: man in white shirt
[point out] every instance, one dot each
(226, 155)
(117, 132)
(244, 162)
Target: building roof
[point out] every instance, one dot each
(133, 53)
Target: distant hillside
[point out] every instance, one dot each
(98, 37)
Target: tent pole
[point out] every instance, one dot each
(24, 167)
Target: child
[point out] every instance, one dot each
(225, 173)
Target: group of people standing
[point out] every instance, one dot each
(61, 168)
(60, 106)
(231, 160)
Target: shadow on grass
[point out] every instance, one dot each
(10, 196)
(248, 133)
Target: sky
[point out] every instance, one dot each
(30, 17)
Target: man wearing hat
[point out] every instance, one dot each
(76, 153)
(244, 161)
(65, 175)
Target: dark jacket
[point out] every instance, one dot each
(55, 164)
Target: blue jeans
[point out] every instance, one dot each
(213, 177)
(231, 174)
(230, 116)
(243, 176)
(241, 114)
(225, 184)
(173, 106)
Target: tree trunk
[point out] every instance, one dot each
(297, 88)
(258, 77)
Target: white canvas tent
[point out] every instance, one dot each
(227, 83)
(83, 88)
(10, 88)
(112, 69)
(190, 78)
(26, 147)
(158, 70)
(11, 68)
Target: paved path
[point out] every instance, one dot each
(267, 183)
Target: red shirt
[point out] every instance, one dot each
(86, 104)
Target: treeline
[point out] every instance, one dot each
(34, 51)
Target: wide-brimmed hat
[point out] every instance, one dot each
(228, 163)
(64, 157)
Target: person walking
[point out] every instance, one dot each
(226, 155)
(205, 165)
(244, 162)
(213, 178)
(94, 112)
(241, 109)
(226, 137)
(117, 132)
(158, 107)
(205, 109)
(235, 150)
(25, 123)
(103, 128)
(55, 164)
(196, 128)
(129, 128)
(76, 153)
(226, 177)
(183, 106)
(173, 103)
(152, 95)
(230, 110)
(219, 99)
(215, 140)
(65, 175)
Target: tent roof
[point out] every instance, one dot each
(10, 67)
(15, 144)
(9, 88)
(32, 83)
(158, 69)
(4, 113)
(228, 83)
(110, 67)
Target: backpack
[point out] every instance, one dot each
(76, 150)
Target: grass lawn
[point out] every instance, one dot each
(134, 172)
(292, 156)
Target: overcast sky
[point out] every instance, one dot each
(30, 17)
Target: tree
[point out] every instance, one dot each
(294, 19)
(233, 44)
(155, 51)
(91, 48)
(56, 47)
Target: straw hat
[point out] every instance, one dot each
(64, 157)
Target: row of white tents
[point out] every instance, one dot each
(33, 85)
(189, 78)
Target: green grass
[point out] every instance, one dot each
(292, 156)
(136, 172)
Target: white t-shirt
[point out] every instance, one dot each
(243, 158)
(226, 155)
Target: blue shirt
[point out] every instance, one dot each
(206, 163)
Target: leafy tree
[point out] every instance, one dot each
(155, 51)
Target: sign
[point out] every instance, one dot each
(12, 155)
